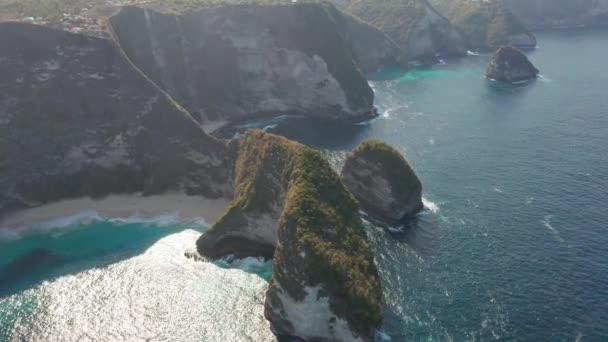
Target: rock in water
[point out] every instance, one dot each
(289, 202)
(383, 182)
(510, 65)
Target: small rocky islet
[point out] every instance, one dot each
(510, 65)
(128, 106)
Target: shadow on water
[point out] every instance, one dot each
(26, 262)
(308, 131)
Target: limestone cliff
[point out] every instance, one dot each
(239, 62)
(383, 183)
(561, 13)
(510, 65)
(325, 286)
(486, 25)
(414, 25)
(77, 119)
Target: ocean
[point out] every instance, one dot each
(513, 245)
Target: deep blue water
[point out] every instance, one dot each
(517, 250)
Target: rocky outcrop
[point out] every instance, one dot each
(486, 25)
(417, 28)
(561, 13)
(383, 183)
(76, 119)
(291, 204)
(373, 49)
(510, 65)
(241, 62)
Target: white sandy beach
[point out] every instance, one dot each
(121, 206)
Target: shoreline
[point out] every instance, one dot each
(120, 206)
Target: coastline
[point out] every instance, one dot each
(184, 207)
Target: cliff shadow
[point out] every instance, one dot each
(315, 133)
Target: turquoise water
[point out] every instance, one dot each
(515, 247)
(126, 279)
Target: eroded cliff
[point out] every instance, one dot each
(486, 25)
(291, 204)
(76, 119)
(241, 62)
(414, 25)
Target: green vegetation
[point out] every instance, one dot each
(328, 226)
(401, 176)
(319, 217)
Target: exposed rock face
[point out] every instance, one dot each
(414, 25)
(373, 48)
(231, 63)
(325, 286)
(561, 13)
(486, 25)
(76, 119)
(510, 65)
(382, 181)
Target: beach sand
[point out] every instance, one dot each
(121, 206)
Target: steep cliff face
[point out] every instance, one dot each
(561, 13)
(486, 25)
(247, 61)
(373, 48)
(382, 181)
(414, 25)
(76, 119)
(325, 285)
(510, 65)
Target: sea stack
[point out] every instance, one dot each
(510, 65)
(383, 183)
(289, 204)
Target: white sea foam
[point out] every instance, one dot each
(381, 336)
(61, 225)
(547, 223)
(473, 53)
(430, 206)
(158, 295)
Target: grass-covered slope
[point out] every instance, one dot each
(320, 218)
(321, 239)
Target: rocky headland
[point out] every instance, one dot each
(290, 204)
